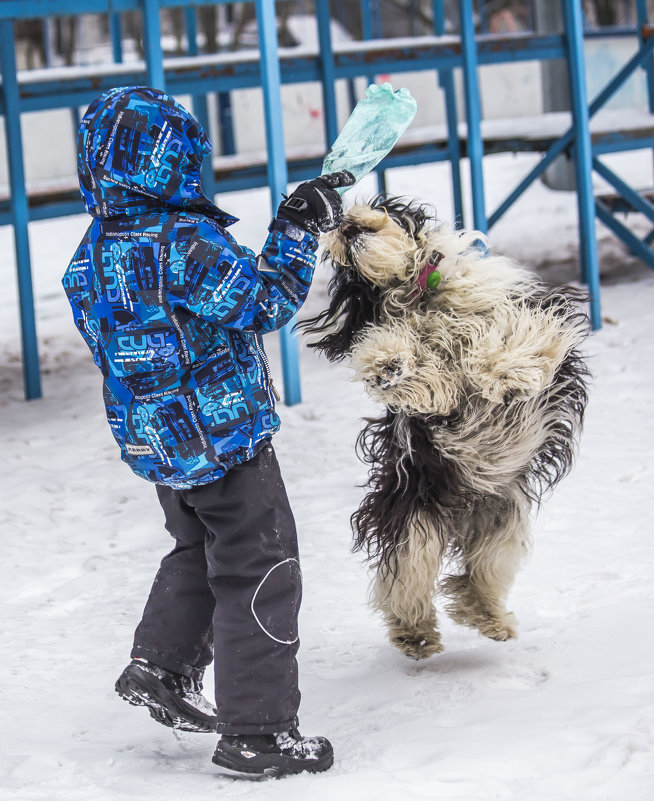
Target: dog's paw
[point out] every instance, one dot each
(417, 642)
(519, 383)
(383, 357)
(500, 629)
(490, 620)
(390, 373)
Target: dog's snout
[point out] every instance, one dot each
(350, 230)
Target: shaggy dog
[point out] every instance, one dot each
(485, 390)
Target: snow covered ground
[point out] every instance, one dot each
(565, 712)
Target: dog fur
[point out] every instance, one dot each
(485, 389)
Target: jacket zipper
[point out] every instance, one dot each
(266, 365)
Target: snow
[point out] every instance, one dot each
(398, 43)
(564, 712)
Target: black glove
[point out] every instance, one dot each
(315, 205)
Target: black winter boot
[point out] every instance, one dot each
(172, 699)
(274, 754)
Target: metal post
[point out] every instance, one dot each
(483, 17)
(271, 83)
(47, 40)
(446, 81)
(152, 44)
(19, 211)
(643, 19)
(366, 20)
(49, 59)
(583, 155)
(473, 113)
(327, 71)
(226, 122)
(439, 17)
(223, 99)
(376, 20)
(74, 115)
(371, 22)
(200, 106)
(413, 17)
(371, 29)
(531, 16)
(191, 25)
(116, 37)
(556, 94)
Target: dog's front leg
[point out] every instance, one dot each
(405, 595)
(516, 357)
(383, 356)
(402, 371)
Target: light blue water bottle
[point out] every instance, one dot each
(376, 123)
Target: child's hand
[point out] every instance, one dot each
(315, 205)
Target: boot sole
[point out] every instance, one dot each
(273, 765)
(140, 688)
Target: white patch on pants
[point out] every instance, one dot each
(258, 590)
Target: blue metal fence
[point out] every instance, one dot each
(199, 76)
(268, 78)
(19, 210)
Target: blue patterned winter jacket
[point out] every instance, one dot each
(172, 308)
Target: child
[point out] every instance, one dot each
(173, 310)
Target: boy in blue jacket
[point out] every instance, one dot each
(173, 311)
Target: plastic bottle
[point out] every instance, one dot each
(376, 123)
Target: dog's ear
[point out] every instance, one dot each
(354, 303)
(413, 217)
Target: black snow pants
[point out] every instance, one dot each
(230, 590)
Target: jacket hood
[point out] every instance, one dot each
(139, 149)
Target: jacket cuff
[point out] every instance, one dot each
(291, 230)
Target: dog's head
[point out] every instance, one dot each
(386, 241)
(381, 248)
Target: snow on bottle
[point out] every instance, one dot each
(376, 123)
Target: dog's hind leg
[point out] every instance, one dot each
(492, 541)
(405, 595)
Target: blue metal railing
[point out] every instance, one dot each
(473, 113)
(583, 157)
(202, 75)
(270, 83)
(446, 81)
(19, 210)
(566, 140)
(277, 171)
